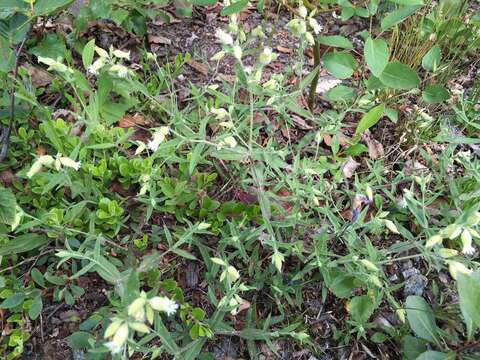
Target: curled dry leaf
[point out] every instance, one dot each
(349, 167)
(300, 122)
(283, 49)
(40, 77)
(326, 83)
(158, 39)
(129, 120)
(375, 147)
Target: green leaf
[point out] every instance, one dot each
(413, 347)
(36, 308)
(399, 76)
(24, 243)
(397, 16)
(421, 319)
(183, 8)
(37, 276)
(340, 64)
(434, 94)
(433, 355)
(236, 7)
(203, 2)
(376, 55)
(408, 2)
(87, 53)
(48, 7)
(80, 340)
(7, 56)
(370, 118)
(469, 293)
(10, 7)
(51, 47)
(361, 308)
(335, 41)
(340, 93)
(356, 149)
(12, 301)
(8, 204)
(432, 58)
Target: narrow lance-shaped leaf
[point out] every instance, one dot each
(370, 118)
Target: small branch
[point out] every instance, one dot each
(5, 136)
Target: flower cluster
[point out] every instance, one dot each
(299, 26)
(49, 161)
(110, 58)
(139, 310)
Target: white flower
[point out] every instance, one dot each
(97, 65)
(309, 38)
(66, 161)
(122, 54)
(220, 113)
(225, 38)
(230, 141)
(102, 53)
(164, 304)
(302, 11)
(466, 237)
(314, 25)
(45, 160)
(237, 52)
(266, 56)
(158, 137)
(113, 347)
(120, 70)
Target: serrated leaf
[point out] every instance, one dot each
(399, 76)
(434, 94)
(335, 41)
(361, 308)
(340, 64)
(370, 118)
(397, 16)
(421, 319)
(431, 60)
(235, 8)
(376, 55)
(8, 204)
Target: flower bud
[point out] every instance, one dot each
(391, 226)
(122, 54)
(237, 52)
(277, 260)
(466, 237)
(232, 274)
(434, 240)
(455, 267)
(225, 38)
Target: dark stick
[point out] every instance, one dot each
(5, 137)
(313, 87)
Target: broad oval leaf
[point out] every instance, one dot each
(399, 76)
(236, 7)
(397, 16)
(421, 319)
(469, 293)
(340, 64)
(434, 94)
(370, 118)
(376, 55)
(432, 59)
(361, 308)
(12, 301)
(335, 41)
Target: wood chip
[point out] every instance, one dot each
(158, 39)
(202, 69)
(284, 49)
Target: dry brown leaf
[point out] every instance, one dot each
(284, 49)
(302, 124)
(158, 39)
(40, 77)
(202, 69)
(375, 147)
(129, 120)
(349, 167)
